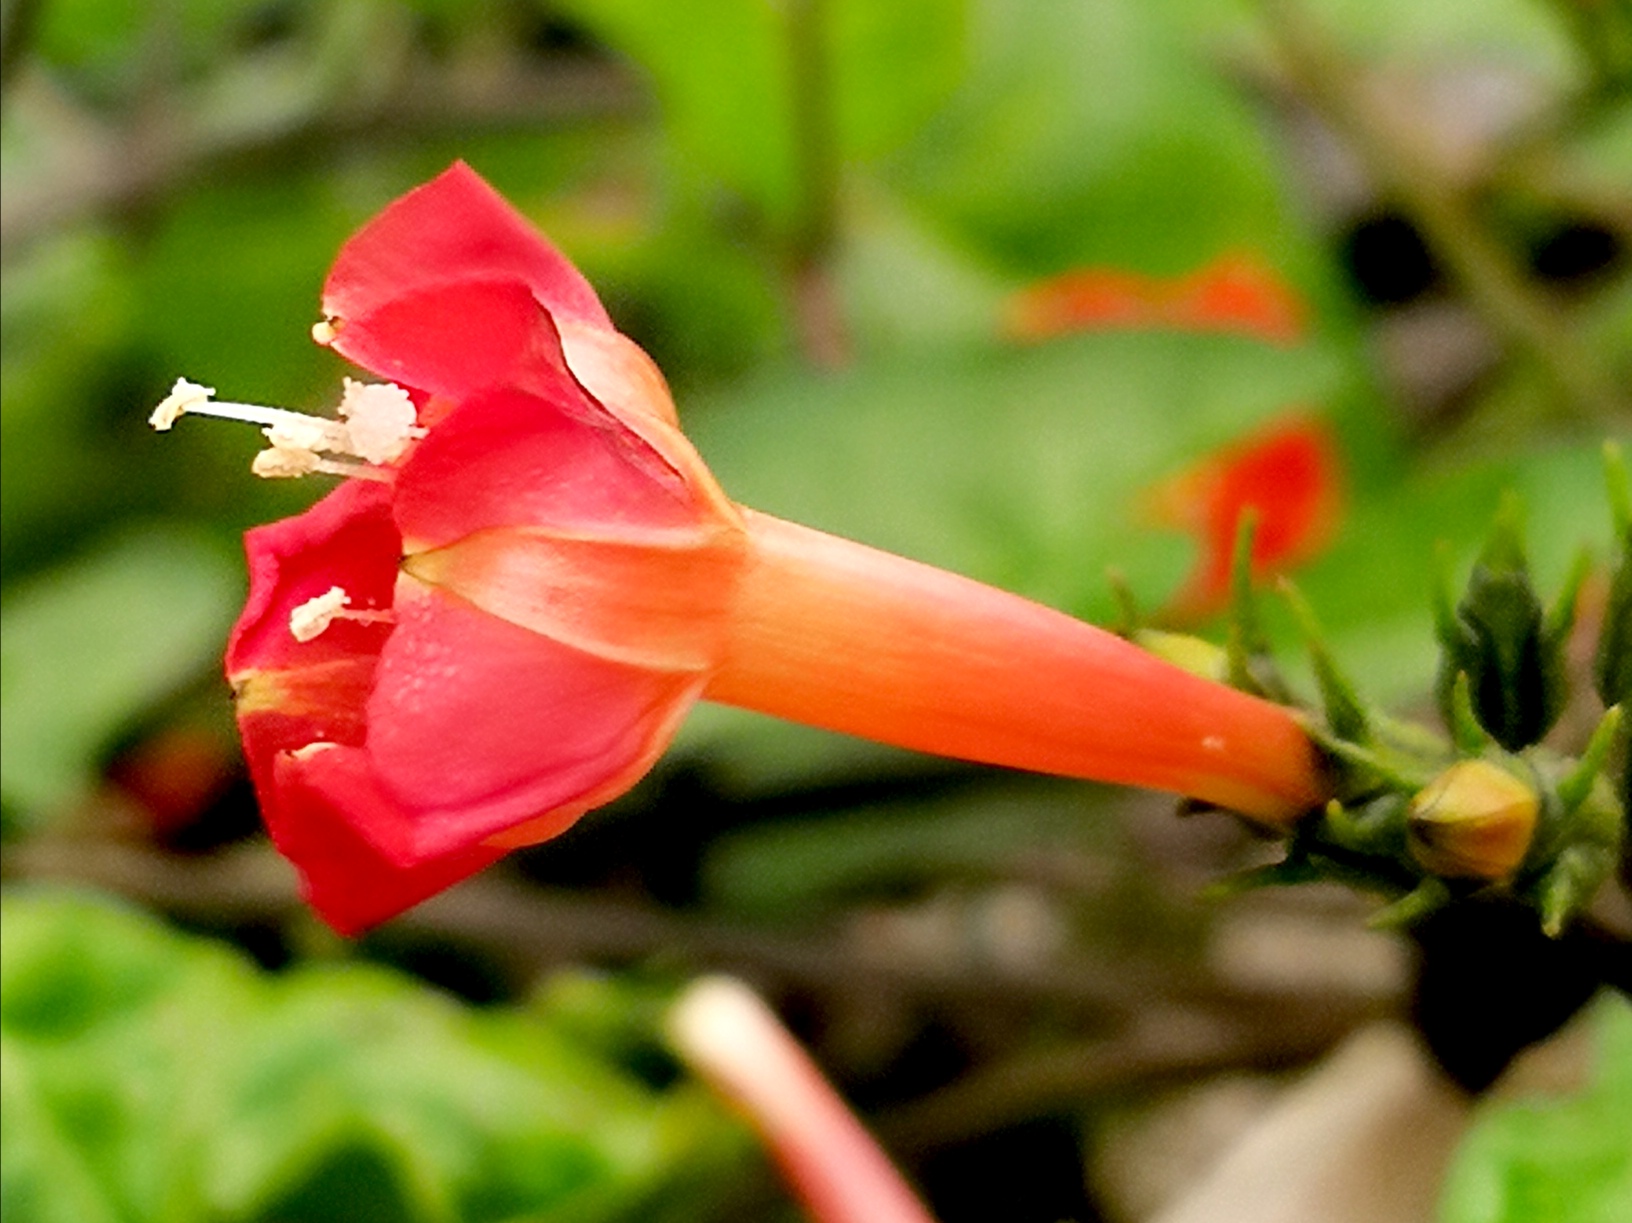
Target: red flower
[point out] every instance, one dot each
(1287, 472)
(1234, 293)
(499, 622)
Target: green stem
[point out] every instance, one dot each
(816, 159)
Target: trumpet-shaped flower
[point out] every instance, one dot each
(498, 620)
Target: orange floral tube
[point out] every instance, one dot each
(839, 635)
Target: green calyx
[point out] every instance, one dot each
(1425, 818)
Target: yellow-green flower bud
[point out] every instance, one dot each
(1192, 654)
(1474, 821)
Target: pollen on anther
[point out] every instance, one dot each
(380, 420)
(182, 396)
(312, 617)
(282, 463)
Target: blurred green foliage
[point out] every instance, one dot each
(91, 649)
(1562, 1158)
(154, 1076)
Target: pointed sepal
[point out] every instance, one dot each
(1346, 715)
(1251, 661)
(1429, 896)
(1612, 667)
(1570, 884)
(1496, 634)
(1470, 738)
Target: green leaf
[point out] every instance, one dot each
(1566, 1159)
(1087, 134)
(151, 1076)
(91, 646)
(1020, 467)
(724, 73)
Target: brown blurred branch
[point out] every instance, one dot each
(1401, 155)
(21, 18)
(537, 928)
(1163, 1046)
(117, 169)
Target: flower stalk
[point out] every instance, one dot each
(722, 1030)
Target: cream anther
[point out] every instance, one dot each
(377, 426)
(323, 332)
(379, 420)
(183, 397)
(279, 463)
(308, 433)
(314, 616)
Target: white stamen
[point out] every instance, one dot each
(309, 433)
(282, 463)
(313, 617)
(377, 427)
(279, 463)
(379, 419)
(183, 397)
(323, 332)
(190, 399)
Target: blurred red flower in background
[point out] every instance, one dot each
(1287, 473)
(1235, 293)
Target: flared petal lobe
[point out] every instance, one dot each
(293, 693)
(329, 806)
(453, 229)
(555, 571)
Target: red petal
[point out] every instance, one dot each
(292, 693)
(319, 808)
(1086, 299)
(1234, 293)
(453, 228)
(476, 724)
(349, 540)
(1238, 293)
(509, 458)
(454, 339)
(1289, 472)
